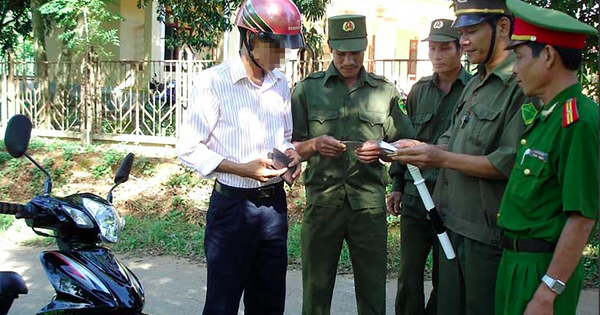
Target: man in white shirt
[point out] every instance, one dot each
(239, 112)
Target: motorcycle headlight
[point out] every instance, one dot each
(107, 218)
(81, 218)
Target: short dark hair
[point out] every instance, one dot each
(457, 45)
(571, 58)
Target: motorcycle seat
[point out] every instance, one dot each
(12, 284)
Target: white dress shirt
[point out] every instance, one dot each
(229, 117)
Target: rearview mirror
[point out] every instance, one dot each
(18, 133)
(124, 170)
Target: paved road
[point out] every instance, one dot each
(177, 286)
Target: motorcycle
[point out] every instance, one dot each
(87, 277)
(163, 93)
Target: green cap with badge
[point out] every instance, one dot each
(442, 31)
(347, 32)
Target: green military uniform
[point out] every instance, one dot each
(346, 198)
(430, 109)
(487, 123)
(556, 173)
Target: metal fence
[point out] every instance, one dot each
(131, 101)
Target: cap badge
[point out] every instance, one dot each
(462, 1)
(348, 26)
(438, 24)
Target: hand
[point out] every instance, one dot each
(393, 202)
(406, 143)
(369, 152)
(542, 302)
(328, 146)
(423, 156)
(296, 160)
(260, 170)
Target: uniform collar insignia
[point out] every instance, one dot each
(549, 111)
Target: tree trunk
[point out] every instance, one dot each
(41, 63)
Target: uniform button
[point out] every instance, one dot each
(523, 141)
(527, 172)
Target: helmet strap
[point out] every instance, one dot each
(250, 48)
(493, 41)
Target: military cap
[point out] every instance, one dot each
(347, 32)
(547, 26)
(473, 12)
(442, 31)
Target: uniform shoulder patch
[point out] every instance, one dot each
(528, 112)
(425, 79)
(402, 106)
(316, 75)
(378, 77)
(570, 113)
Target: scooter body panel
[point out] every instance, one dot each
(91, 280)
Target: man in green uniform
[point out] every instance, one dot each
(551, 201)
(476, 156)
(430, 105)
(338, 115)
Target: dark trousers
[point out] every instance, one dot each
(467, 283)
(246, 252)
(417, 239)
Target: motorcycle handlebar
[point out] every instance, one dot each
(18, 210)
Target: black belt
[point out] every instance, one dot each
(527, 245)
(248, 193)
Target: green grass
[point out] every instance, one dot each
(110, 159)
(5, 222)
(170, 235)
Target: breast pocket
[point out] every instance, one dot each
(421, 122)
(371, 127)
(484, 125)
(321, 121)
(532, 173)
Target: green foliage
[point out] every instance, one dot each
(186, 179)
(69, 150)
(590, 260)
(294, 251)
(15, 22)
(110, 159)
(201, 21)
(82, 24)
(142, 166)
(587, 11)
(4, 156)
(5, 222)
(313, 11)
(204, 21)
(170, 234)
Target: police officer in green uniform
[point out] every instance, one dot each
(476, 155)
(551, 201)
(430, 105)
(338, 115)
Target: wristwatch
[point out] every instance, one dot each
(554, 284)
